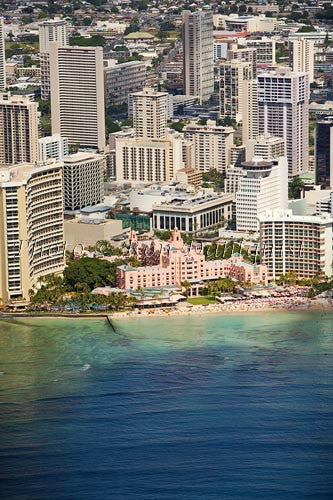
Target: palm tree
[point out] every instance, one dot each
(187, 285)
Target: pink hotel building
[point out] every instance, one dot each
(178, 263)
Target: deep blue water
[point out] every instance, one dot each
(209, 408)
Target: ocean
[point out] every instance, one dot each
(233, 407)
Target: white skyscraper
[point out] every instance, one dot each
(77, 95)
(301, 56)
(55, 31)
(198, 54)
(52, 30)
(2, 56)
(150, 113)
(283, 110)
(264, 187)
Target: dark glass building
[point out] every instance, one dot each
(324, 153)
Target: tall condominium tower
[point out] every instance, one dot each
(232, 75)
(249, 110)
(324, 153)
(53, 30)
(301, 56)
(77, 94)
(198, 54)
(150, 112)
(31, 227)
(18, 129)
(283, 110)
(2, 56)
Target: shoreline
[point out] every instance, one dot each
(293, 304)
(290, 304)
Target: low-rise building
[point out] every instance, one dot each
(85, 232)
(193, 213)
(178, 263)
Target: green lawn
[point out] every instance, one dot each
(201, 300)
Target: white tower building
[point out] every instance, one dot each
(198, 54)
(264, 187)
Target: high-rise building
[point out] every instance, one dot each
(246, 54)
(52, 30)
(232, 75)
(77, 94)
(301, 56)
(198, 54)
(212, 145)
(283, 110)
(294, 243)
(53, 146)
(150, 114)
(55, 31)
(83, 180)
(31, 227)
(123, 79)
(324, 153)
(250, 124)
(148, 160)
(2, 56)
(266, 146)
(264, 187)
(18, 129)
(265, 48)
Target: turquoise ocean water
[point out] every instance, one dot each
(194, 407)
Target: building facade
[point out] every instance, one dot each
(123, 79)
(148, 160)
(283, 109)
(301, 56)
(193, 214)
(232, 75)
(31, 227)
(2, 56)
(150, 114)
(264, 187)
(211, 145)
(83, 180)
(18, 130)
(53, 146)
(266, 146)
(324, 153)
(300, 244)
(178, 263)
(77, 95)
(198, 54)
(55, 31)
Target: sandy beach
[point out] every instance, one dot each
(248, 306)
